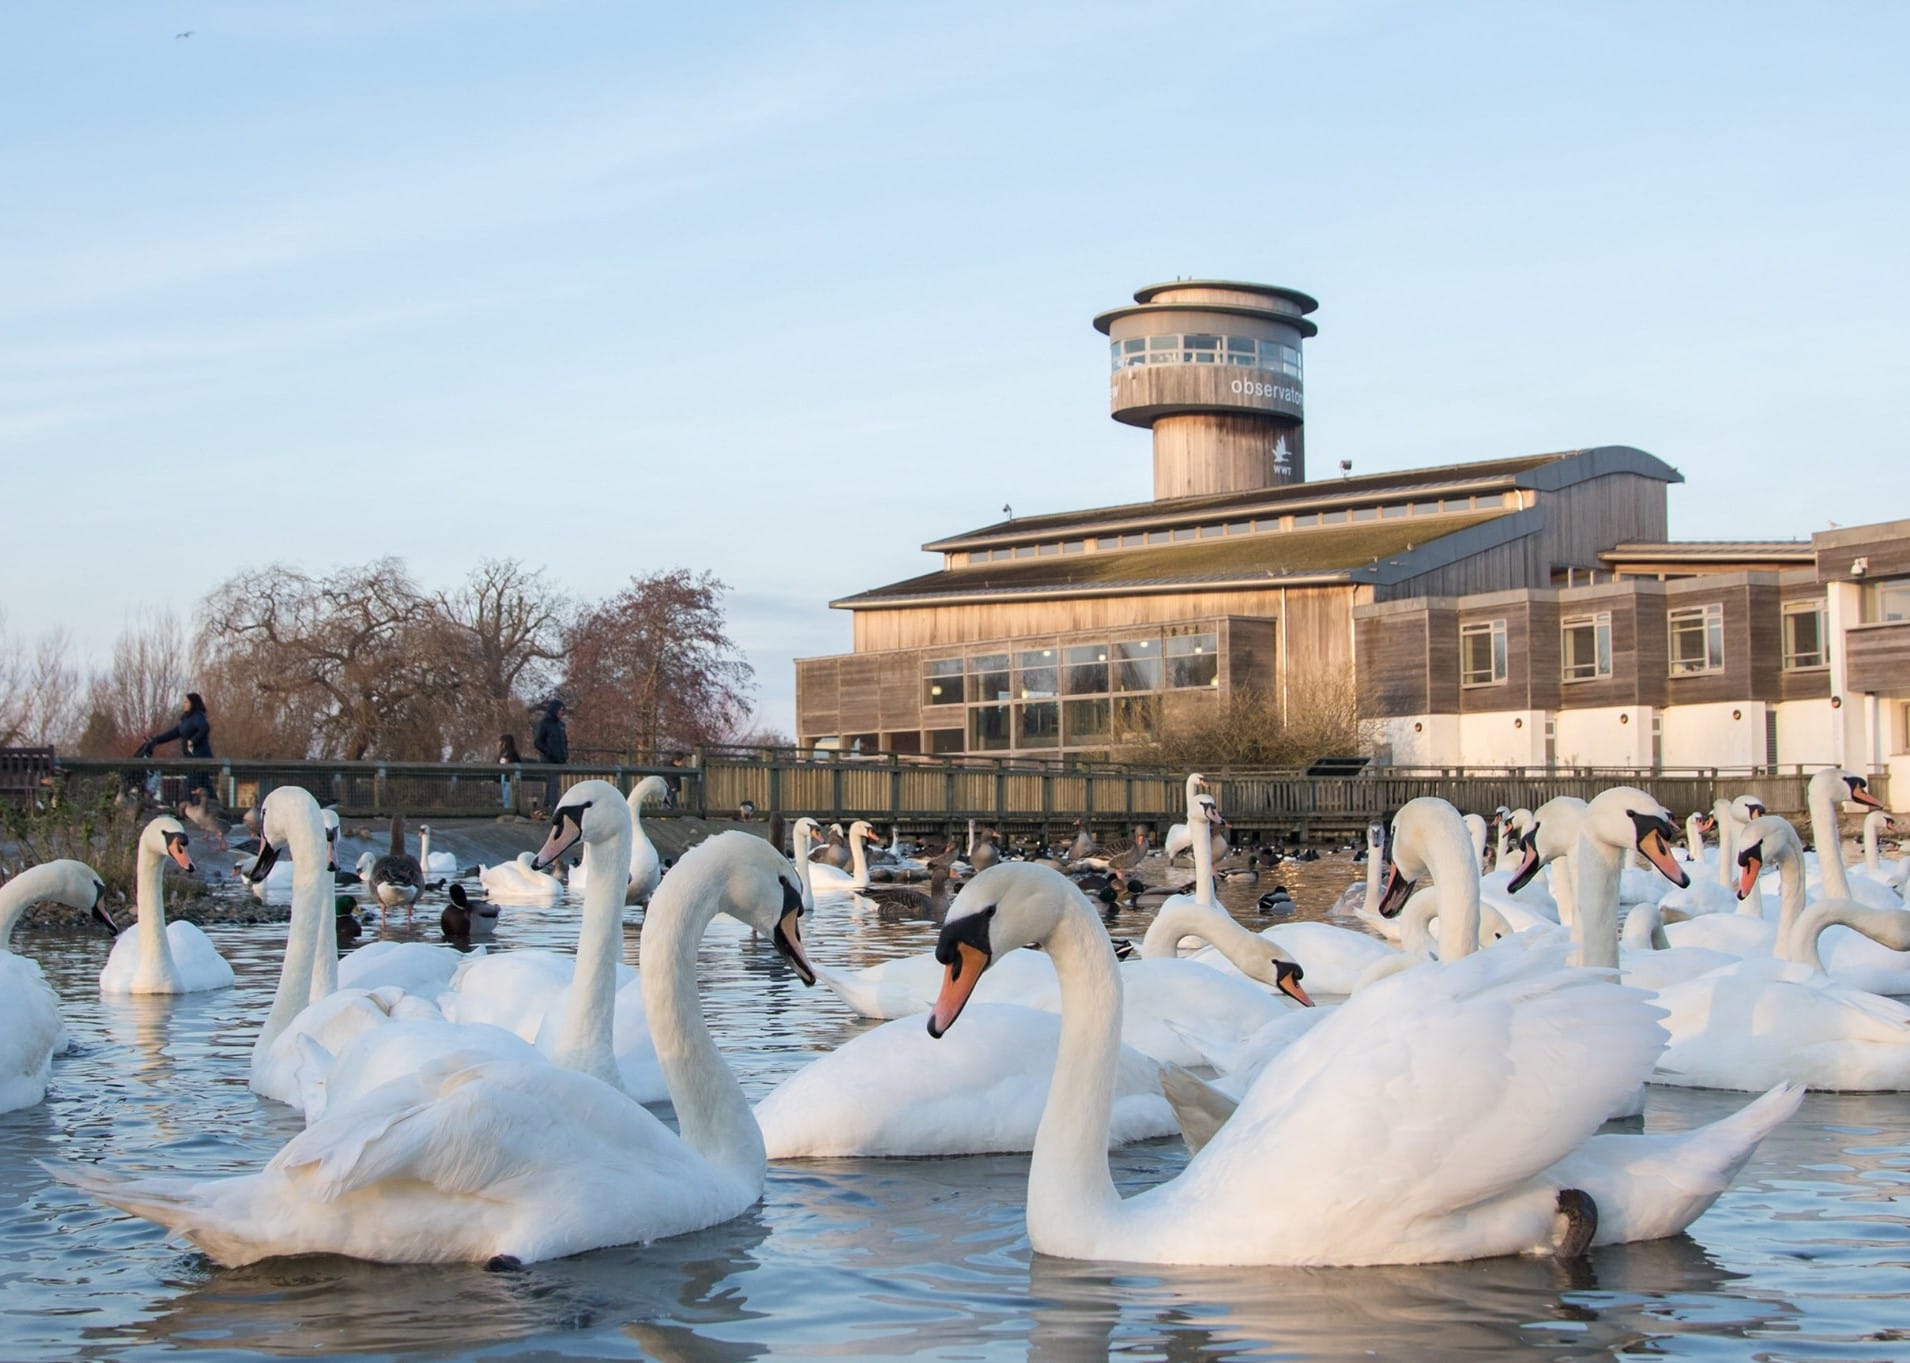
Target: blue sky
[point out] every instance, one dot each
(784, 291)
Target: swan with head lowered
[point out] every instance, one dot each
(1376, 1138)
(154, 956)
(31, 1029)
(476, 1159)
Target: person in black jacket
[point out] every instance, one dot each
(194, 735)
(553, 746)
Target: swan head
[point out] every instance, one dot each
(330, 816)
(285, 809)
(76, 885)
(1207, 811)
(1549, 832)
(1843, 785)
(1748, 807)
(650, 790)
(165, 837)
(862, 831)
(1626, 817)
(590, 811)
(758, 888)
(1003, 907)
(1766, 840)
(1420, 826)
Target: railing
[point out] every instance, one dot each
(936, 791)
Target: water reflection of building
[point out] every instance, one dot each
(1521, 611)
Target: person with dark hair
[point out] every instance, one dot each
(194, 735)
(553, 747)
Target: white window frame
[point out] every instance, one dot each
(1706, 615)
(1792, 610)
(1495, 631)
(1600, 623)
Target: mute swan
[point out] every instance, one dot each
(826, 880)
(1313, 1169)
(1888, 872)
(396, 878)
(154, 956)
(646, 868)
(513, 1161)
(1180, 837)
(1828, 789)
(519, 882)
(31, 1030)
(436, 865)
(1770, 1019)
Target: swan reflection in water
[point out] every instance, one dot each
(667, 1296)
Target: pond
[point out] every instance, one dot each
(1804, 1257)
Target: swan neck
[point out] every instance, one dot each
(1727, 843)
(1694, 839)
(155, 951)
(1790, 891)
(1179, 919)
(1829, 838)
(1595, 929)
(859, 862)
(1455, 872)
(45, 881)
(310, 905)
(1887, 927)
(713, 1117)
(1069, 1183)
(1565, 888)
(1873, 855)
(587, 1041)
(1203, 860)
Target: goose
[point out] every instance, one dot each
(31, 1029)
(646, 868)
(520, 882)
(1118, 856)
(1779, 1018)
(464, 918)
(909, 902)
(436, 865)
(396, 879)
(1312, 1169)
(509, 1161)
(826, 880)
(154, 956)
(893, 1092)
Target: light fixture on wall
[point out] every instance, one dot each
(1518, 724)
(1418, 728)
(1737, 714)
(1624, 719)
(1859, 566)
(1836, 702)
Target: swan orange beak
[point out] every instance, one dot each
(1657, 851)
(176, 849)
(1860, 794)
(1288, 974)
(958, 982)
(1528, 864)
(566, 830)
(1751, 867)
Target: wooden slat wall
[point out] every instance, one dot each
(1879, 658)
(1888, 552)
(1392, 651)
(1733, 681)
(1251, 652)
(1442, 660)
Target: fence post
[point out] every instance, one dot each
(895, 787)
(775, 784)
(835, 786)
(697, 759)
(378, 789)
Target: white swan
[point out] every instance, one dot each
(828, 881)
(1376, 1138)
(1770, 1019)
(520, 882)
(513, 1161)
(1828, 789)
(646, 867)
(437, 865)
(1890, 872)
(31, 1029)
(154, 956)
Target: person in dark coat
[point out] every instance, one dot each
(553, 746)
(193, 733)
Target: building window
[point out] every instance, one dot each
(1137, 666)
(1183, 533)
(1038, 725)
(1697, 639)
(1482, 653)
(1136, 717)
(1585, 647)
(1192, 660)
(1074, 546)
(944, 740)
(1887, 601)
(1804, 636)
(1086, 669)
(1240, 528)
(1108, 542)
(988, 676)
(1212, 532)
(1088, 722)
(942, 682)
(1392, 510)
(1044, 550)
(1035, 674)
(1158, 536)
(1306, 519)
(988, 728)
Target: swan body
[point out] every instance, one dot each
(826, 881)
(154, 956)
(1310, 1169)
(474, 1158)
(436, 865)
(415, 967)
(520, 882)
(31, 1029)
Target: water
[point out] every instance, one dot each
(1803, 1258)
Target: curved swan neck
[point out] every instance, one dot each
(1727, 843)
(1069, 1183)
(1595, 928)
(1203, 837)
(1790, 891)
(1455, 871)
(587, 1041)
(1829, 837)
(310, 905)
(1179, 919)
(69, 882)
(713, 1116)
(859, 861)
(156, 965)
(1886, 927)
(1873, 855)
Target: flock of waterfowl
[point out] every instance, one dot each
(1441, 1099)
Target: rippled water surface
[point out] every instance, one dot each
(1804, 1257)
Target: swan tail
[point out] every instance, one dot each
(1200, 1109)
(314, 1068)
(177, 1204)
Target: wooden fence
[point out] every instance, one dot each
(924, 794)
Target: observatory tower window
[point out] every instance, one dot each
(1804, 636)
(1697, 639)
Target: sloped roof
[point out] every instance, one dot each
(1330, 553)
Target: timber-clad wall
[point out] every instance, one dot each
(1878, 658)
(1885, 547)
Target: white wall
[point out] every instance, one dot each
(1607, 736)
(1433, 743)
(1708, 736)
(1503, 738)
(1806, 732)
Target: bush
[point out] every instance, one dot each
(1322, 720)
(88, 822)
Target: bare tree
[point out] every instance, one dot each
(1322, 719)
(504, 631)
(40, 691)
(141, 690)
(653, 668)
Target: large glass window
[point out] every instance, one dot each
(988, 728)
(988, 677)
(1088, 721)
(1038, 725)
(944, 740)
(1087, 669)
(1804, 636)
(1192, 660)
(1035, 674)
(1136, 717)
(1275, 357)
(1585, 647)
(1482, 653)
(1697, 639)
(1137, 665)
(943, 682)
(1888, 601)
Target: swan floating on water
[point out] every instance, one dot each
(32, 1031)
(154, 956)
